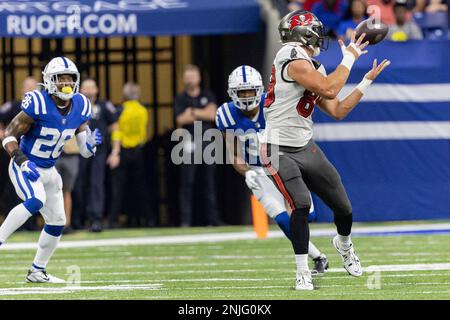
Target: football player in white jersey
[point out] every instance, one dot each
(48, 119)
(241, 120)
(289, 154)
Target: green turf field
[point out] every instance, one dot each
(234, 269)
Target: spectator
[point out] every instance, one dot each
(420, 5)
(403, 30)
(67, 167)
(7, 112)
(90, 187)
(195, 104)
(294, 5)
(356, 12)
(436, 5)
(130, 174)
(307, 5)
(330, 12)
(386, 10)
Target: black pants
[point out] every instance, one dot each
(89, 192)
(187, 194)
(130, 180)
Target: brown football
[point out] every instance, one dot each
(375, 31)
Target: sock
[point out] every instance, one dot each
(283, 221)
(313, 252)
(46, 246)
(343, 223)
(302, 262)
(345, 240)
(300, 230)
(15, 219)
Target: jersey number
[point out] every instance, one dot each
(270, 97)
(306, 104)
(55, 140)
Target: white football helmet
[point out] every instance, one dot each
(245, 78)
(58, 66)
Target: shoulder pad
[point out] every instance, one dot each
(33, 104)
(225, 118)
(86, 108)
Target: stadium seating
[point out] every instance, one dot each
(434, 24)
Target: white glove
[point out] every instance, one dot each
(251, 177)
(93, 139)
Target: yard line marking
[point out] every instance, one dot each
(229, 236)
(72, 289)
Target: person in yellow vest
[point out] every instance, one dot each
(129, 176)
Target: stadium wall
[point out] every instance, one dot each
(393, 150)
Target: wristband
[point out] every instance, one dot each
(364, 84)
(19, 157)
(8, 140)
(348, 60)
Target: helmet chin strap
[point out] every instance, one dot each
(316, 52)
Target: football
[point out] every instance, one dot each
(375, 31)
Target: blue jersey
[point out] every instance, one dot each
(44, 142)
(229, 117)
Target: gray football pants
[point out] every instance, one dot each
(295, 170)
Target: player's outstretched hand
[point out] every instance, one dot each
(29, 170)
(355, 47)
(251, 179)
(376, 70)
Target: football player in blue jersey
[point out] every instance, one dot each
(47, 120)
(241, 120)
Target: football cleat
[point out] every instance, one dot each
(41, 276)
(320, 265)
(350, 260)
(304, 281)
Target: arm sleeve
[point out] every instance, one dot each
(81, 141)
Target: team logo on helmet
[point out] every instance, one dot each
(300, 20)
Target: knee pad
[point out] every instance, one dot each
(33, 205)
(55, 231)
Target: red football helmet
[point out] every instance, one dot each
(304, 27)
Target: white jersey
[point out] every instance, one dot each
(289, 106)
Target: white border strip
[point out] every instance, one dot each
(402, 92)
(399, 130)
(218, 237)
